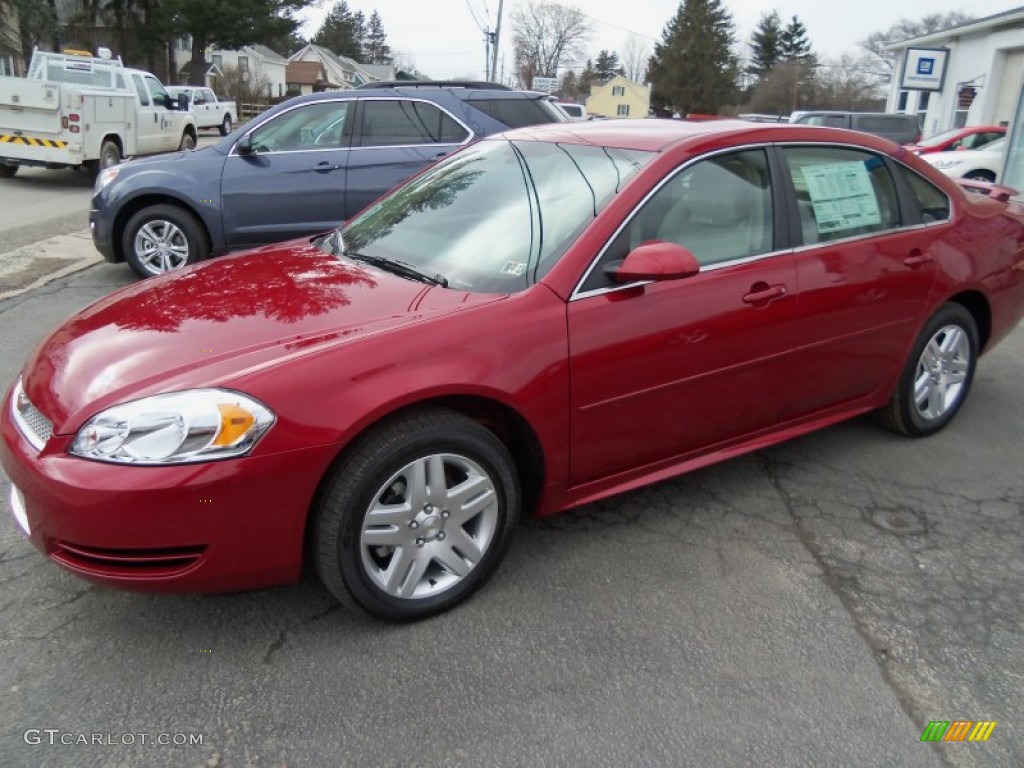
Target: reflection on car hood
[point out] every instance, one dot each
(207, 324)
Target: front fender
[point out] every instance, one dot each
(194, 186)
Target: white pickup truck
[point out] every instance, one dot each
(75, 110)
(209, 111)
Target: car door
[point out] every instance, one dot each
(293, 181)
(147, 133)
(863, 275)
(166, 136)
(664, 369)
(395, 138)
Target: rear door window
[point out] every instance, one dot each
(841, 192)
(401, 122)
(928, 199)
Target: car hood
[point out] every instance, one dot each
(212, 323)
(171, 159)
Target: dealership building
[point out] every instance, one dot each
(970, 74)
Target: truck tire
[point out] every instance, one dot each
(225, 127)
(8, 171)
(163, 238)
(110, 155)
(188, 142)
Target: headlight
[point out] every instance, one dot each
(181, 427)
(106, 176)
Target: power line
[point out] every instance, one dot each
(482, 27)
(606, 23)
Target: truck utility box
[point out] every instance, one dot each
(73, 110)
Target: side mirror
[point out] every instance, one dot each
(183, 102)
(654, 260)
(244, 145)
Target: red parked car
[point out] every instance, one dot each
(546, 318)
(971, 137)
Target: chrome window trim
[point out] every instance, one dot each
(577, 293)
(353, 100)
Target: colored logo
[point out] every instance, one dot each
(958, 730)
(925, 66)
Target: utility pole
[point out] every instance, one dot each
(495, 39)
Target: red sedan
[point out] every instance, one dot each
(971, 137)
(544, 319)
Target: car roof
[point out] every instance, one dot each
(658, 134)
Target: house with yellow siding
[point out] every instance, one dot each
(619, 97)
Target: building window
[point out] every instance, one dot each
(618, 90)
(901, 101)
(623, 110)
(922, 108)
(218, 61)
(185, 43)
(7, 66)
(243, 63)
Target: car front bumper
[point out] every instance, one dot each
(219, 526)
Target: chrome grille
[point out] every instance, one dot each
(32, 424)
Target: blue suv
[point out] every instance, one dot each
(298, 169)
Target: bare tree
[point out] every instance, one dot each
(635, 54)
(546, 36)
(881, 63)
(847, 83)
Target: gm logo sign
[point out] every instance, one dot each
(925, 66)
(958, 730)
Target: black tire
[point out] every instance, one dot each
(186, 241)
(8, 171)
(225, 127)
(110, 155)
(188, 142)
(379, 470)
(981, 176)
(946, 378)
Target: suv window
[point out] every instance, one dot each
(517, 113)
(841, 192)
(398, 122)
(319, 125)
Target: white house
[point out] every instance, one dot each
(971, 74)
(341, 72)
(265, 66)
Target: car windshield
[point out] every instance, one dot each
(941, 138)
(495, 217)
(994, 146)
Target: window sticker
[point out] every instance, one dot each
(842, 196)
(516, 268)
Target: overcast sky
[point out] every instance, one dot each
(444, 40)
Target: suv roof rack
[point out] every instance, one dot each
(476, 84)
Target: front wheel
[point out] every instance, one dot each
(188, 142)
(225, 127)
(937, 375)
(417, 517)
(163, 238)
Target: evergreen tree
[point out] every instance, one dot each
(693, 68)
(765, 44)
(607, 66)
(586, 79)
(375, 47)
(793, 42)
(227, 25)
(340, 32)
(359, 33)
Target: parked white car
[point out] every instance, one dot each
(209, 109)
(982, 164)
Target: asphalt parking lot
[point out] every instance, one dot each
(817, 603)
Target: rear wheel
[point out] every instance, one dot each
(937, 375)
(417, 517)
(163, 238)
(8, 171)
(225, 127)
